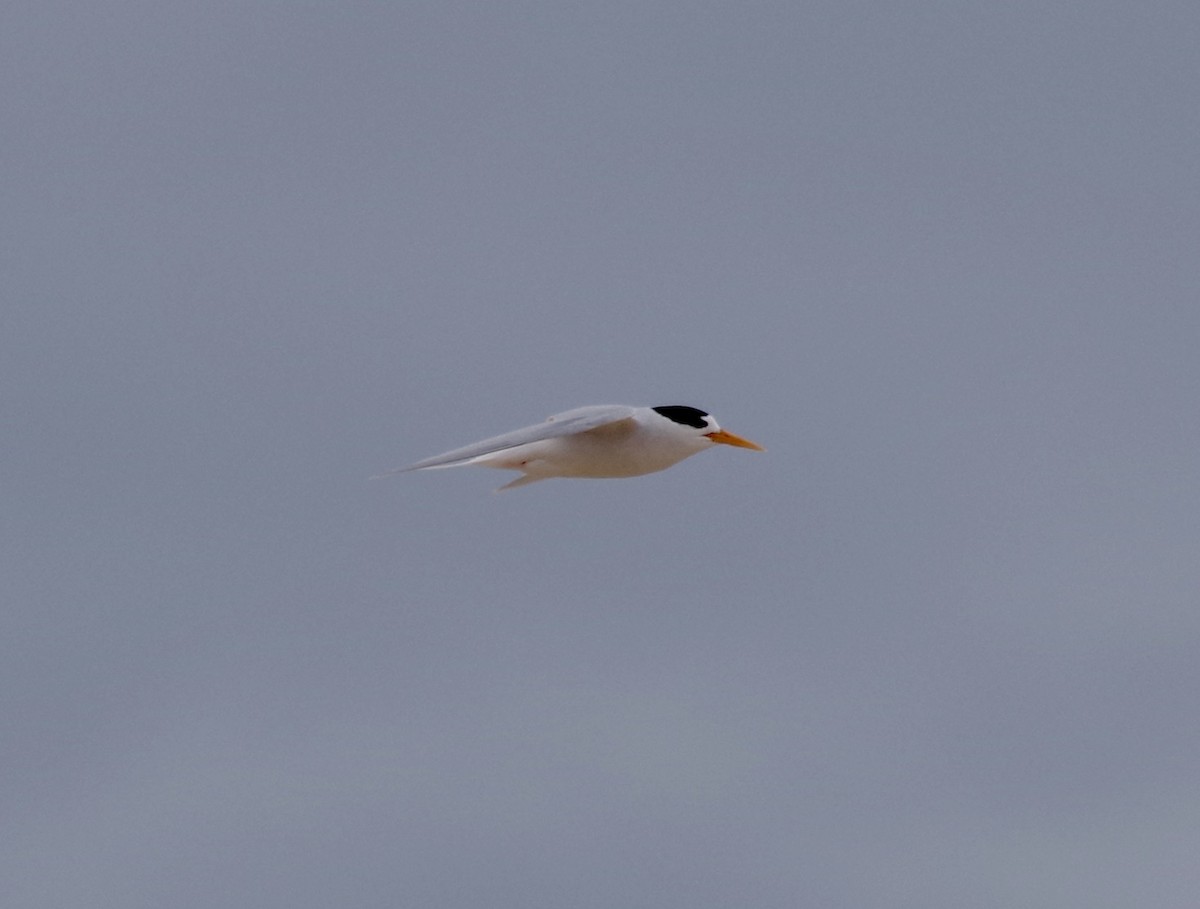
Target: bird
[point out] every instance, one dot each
(598, 441)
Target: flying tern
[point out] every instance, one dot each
(604, 440)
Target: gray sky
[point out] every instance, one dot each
(936, 648)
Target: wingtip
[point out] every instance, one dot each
(390, 473)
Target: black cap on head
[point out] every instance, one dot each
(683, 415)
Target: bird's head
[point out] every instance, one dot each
(703, 424)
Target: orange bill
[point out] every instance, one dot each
(728, 438)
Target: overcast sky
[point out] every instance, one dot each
(936, 648)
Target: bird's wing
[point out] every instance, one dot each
(568, 423)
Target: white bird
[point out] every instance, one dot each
(604, 440)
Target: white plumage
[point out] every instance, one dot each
(604, 440)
